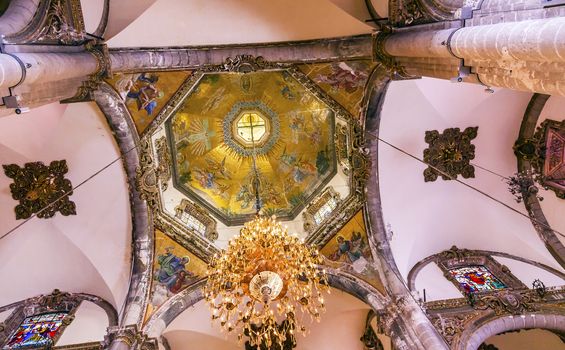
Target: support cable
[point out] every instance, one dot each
(544, 225)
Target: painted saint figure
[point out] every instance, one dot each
(172, 271)
(354, 252)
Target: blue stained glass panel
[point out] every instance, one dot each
(36, 331)
(476, 278)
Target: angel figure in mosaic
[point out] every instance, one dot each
(302, 169)
(297, 125)
(245, 196)
(344, 76)
(200, 136)
(209, 180)
(214, 101)
(142, 90)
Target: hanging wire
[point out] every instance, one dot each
(256, 184)
(544, 225)
(68, 192)
(255, 171)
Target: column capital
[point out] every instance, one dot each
(128, 337)
(103, 71)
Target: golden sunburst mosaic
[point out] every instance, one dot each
(227, 120)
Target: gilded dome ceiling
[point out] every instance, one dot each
(226, 118)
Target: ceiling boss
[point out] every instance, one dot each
(266, 285)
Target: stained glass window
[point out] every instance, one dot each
(192, 222)
(251, 127)
(325, 210)
(476, 278)
(36, 331)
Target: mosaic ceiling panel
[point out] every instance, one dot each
(343, 81)
(349, 251)
(174, 269)
(226, 118)
(146, 93)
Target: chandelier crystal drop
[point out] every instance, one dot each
(266, 284)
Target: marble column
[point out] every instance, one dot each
(526, 55)
(39, 78)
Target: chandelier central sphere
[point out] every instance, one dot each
(266, 284)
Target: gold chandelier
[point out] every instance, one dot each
(266, 284)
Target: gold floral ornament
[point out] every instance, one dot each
(266, 285)
(41, 189)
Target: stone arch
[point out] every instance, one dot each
(173, 307)
(18, 15)
(121, 124)
(56, 301)
(433, 258)
(531, 202)
(475, 335)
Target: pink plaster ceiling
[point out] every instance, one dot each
(88, 252)
(430, 217)
(233, 21)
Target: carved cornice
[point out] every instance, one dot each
(453, 317)
(394, 69)
(103, 71)
(56, 22)
(506, 302)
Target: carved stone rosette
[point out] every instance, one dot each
(449, 154)
(41, 189)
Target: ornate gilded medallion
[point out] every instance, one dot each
(41, 189)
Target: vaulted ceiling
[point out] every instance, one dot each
(91, 251)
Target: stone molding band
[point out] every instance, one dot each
(180, 58)
(122, 127)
